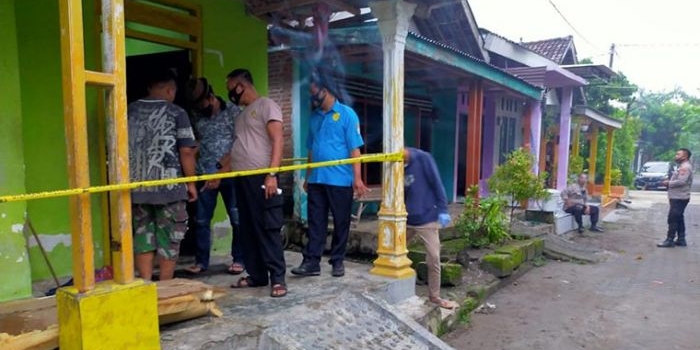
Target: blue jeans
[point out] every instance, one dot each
(206, 203)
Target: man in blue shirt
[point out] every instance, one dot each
(426, 204)
(334, 133)
(214, 129)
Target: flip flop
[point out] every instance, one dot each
(235, 269)
(278, 290)
(444, 303)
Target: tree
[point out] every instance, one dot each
(670, 120)
(609, 98)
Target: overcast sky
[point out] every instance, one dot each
(657, 42)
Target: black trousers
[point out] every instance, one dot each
(321, 199)
(676, 221)
(577, 211)
(260, 223)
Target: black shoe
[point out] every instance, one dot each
(338, 269)
(681, 243)
(595, 229)
(306, 269)
(580, 230)
(666, 244)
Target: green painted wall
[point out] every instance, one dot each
(231, 40)
(443, 136)
(43, 132)
(14, 262)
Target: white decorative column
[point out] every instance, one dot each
(536, 133)
(564, 137)
(393, 18)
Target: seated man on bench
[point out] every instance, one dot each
(575, 199)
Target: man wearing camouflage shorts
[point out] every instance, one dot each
(161, 146)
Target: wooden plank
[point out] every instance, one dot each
(46, 339)
(161, 18)
(282, 5)
(161, 39)
(186, 5)
(33, 323)
(28, 304)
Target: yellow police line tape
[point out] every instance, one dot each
(370, 158)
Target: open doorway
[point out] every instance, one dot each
(462, 156)
(138, 68)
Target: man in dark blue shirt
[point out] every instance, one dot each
(214, 129)
(334, 133)
(426, 204)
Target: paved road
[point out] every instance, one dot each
(640, 297)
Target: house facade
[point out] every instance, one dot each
(448, 87)
(192, 37)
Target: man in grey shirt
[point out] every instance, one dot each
(576, 204)
(161, 146)
(678, 198)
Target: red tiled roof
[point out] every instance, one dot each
(554, 49)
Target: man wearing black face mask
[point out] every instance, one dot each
(334, 133)
(214, 128)
(259, 144)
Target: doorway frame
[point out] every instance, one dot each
(177, 16)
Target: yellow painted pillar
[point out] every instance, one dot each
(109, 315)
(393, 19)
(593, 157)
(74, 113)
(608, 162)
(576, 140)
(114, 63)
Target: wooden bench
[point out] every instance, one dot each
(373, 195)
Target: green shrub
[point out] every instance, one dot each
(575, 165)
(616, 177)
(515, 179)
(483, 221)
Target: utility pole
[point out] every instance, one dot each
(612, 55)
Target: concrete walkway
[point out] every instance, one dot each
(357, 311)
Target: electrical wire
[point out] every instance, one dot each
(572, 26)
(653, 45)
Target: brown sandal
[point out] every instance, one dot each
(244, 282)
(444, 303)
(235, 269)
(278, 290)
